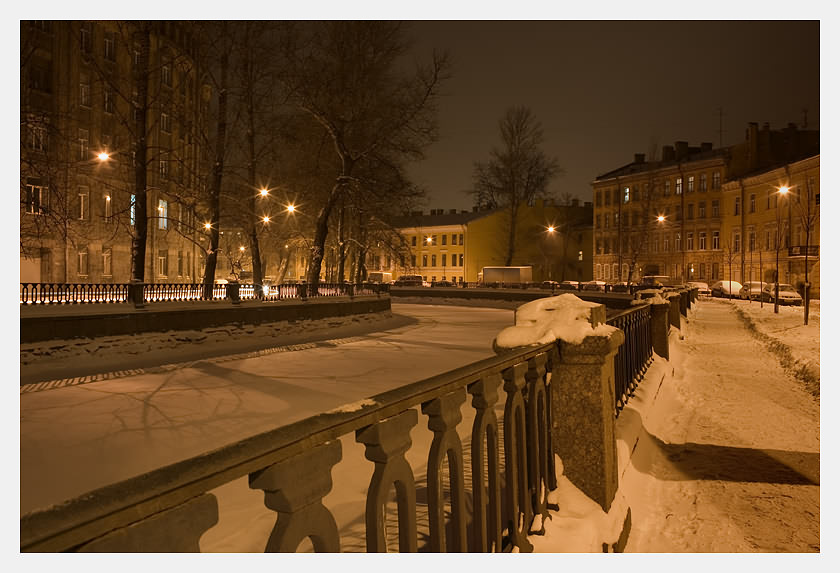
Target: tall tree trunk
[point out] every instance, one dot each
(139, 237)
(216, 183)
(254, 240)
(511, 247)
(807, 289)
(321, 230)
(341, 245)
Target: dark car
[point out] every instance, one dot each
(569, 285)
(787, 294)
(551, 285)
(443, 284)
(409, 280)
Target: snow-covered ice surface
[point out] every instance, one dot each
(80, 437)
(728, 452)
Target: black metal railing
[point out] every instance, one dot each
(498, 481)
(84, 293)
(634, 356)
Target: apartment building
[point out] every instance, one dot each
(672, 216)
(78, 119)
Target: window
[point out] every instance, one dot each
(667, 190)
(162, 214)
(678, 186)
(180, 263)
(109, 100)
(736, 241)
(615, 219)
(751, 243)
(163, 263)
(615, 270)
(752, 203)
(598, 271)
(413, 260)
(425, 260)
(443, 239)
(606, 220)
(461, 237)
(106, 262)
(701, 210)
(701, 240)
(84, 90)
(606, 197)
(677, 239)
(702, 270)
(598, 198)
(434, 260)
(715, 271)
(690, 184)
(37, 137)
(598, 221)
(110, 47)
(716, 180)
(454, 260)
(715, 209)
(715, 239)
(132, 212)
(737, 206)
(689, 241)
(164, 166)
(108, 209)
(690, 213)
(665, 244)
(768, 241)
(35, 199)
(165, 122)
(414, 241)
(703, 183)
(83, 261)
(85, 37)
(83, 203)
(166, 75)
(626, 195)
(461, 260)
(84, 144)
(454, 239)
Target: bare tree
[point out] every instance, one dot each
(809, 217)
(347, 77)
(643, 221)
(518, 172)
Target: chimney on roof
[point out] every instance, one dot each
(668, 153)
(681, 150)
(752, 145)
(639, 158)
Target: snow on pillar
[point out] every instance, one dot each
(659, 327)
(583, 417)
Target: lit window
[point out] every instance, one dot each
(163, 263)
(35, 199)
(83, 203)
(83, 261)
(162, 214)
(84, 144)
(690, 184)
(678, 186)
(106, 262)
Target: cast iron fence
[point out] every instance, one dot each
(635, 355)
(496, 497)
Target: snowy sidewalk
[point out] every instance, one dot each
(728, 455)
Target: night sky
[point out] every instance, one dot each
(606, 90)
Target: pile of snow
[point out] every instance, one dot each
(580, 525)
(562, 317)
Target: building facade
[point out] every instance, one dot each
(78, 116)
(773, 218)
(556, 240)
(679, 216)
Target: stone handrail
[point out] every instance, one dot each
(169, 508)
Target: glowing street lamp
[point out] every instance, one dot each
(660, 219)
(783, 190)
(290, 208)
(264, 192)
(103, 156)
(266, 219)
(241, 249)
(207, 226)
(550, 229)
(428, 240)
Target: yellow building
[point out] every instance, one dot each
(774, 212)
(556, 240)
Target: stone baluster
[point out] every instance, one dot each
(537, 432)
(487, 506)
(174, 530)
(444, 415)
(386, 443)
(516, 463)
(295, 489)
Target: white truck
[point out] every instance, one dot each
(505, 275)
(379, 277)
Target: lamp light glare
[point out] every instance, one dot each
(103, 156)
(290, 208)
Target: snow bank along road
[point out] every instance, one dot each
(79, 437)
(729, 454)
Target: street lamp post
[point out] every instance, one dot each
(783, 190)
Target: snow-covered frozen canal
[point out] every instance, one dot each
(80, 437)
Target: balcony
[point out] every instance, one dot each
(799, 251)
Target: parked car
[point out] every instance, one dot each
(726, 288)
(702, 288)
(442, 284)
(751, 290)
(787, 294)
(409, 280)
(593, 285)
(549, 284)
(568, 285)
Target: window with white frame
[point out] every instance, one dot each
(85, 37)
(180, 263)
(84, 90)
(37, 136)
(690, 184)
(82, 261)
(164, 166)
(736, 241)
(598, 271)
(35, 199)
(106, 262)
(701, 240)
(110, 47)
(165, 122)
(751, 239)
(701, 210)
(716, 180)
(678, 186)
(83, 203)
(689, 241)
(84, 144)
(677, 239)
(752, 202)
(166, 75)
(163, 263)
